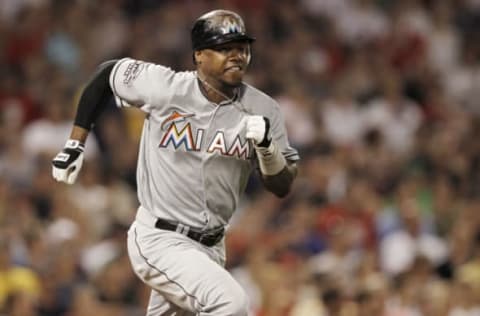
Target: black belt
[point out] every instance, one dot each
(208, 238)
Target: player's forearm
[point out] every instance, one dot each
(79, 133)
(277, 173)
(280, 184)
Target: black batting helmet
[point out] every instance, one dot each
(218, 27)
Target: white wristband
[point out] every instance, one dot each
(270, 159)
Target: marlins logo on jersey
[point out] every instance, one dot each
(188, 138)
(175, 117)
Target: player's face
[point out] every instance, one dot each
(225, 63)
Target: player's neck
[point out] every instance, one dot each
(216, 94)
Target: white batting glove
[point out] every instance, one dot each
(258, 130)
(67, 164)
(270, 159)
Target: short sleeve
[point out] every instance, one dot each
(279, 135)
(135, 83)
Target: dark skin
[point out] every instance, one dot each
(223, 68)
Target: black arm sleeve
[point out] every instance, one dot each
(95, 96)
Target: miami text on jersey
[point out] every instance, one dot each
(184, 138)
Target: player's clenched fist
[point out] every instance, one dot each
(258, 130)
(68, 162)
(270, 159)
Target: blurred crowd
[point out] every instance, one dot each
(381, 97)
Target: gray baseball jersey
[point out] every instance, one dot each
(194, 160)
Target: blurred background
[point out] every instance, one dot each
(379, 96)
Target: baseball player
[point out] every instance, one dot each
(204, 133)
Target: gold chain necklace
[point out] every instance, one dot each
(220, 93)
(238, 104)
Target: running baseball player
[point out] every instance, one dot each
(204, 133)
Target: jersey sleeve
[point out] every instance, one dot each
(279, 134)
(136, 83)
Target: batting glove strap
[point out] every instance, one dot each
(267, 139)
(270, 159)
(68, 162)
(258, 130)
(75, 144)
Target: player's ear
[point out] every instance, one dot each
(249, 55)
(197, 57)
